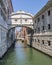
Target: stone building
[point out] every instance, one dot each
(24, 32)
(42, 38)
(21, 19)
(4, 5)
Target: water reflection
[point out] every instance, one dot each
(21, 54)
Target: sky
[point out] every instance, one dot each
(30, 6)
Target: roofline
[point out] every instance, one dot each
(12, 5)
(22, 14)
(47, 6)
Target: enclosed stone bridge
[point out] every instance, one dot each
(21, 19)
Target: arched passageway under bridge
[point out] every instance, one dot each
(21, 19)
(23, 34)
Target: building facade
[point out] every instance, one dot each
(3, 26)
(21, 18)
(24, 32)
(42, 38)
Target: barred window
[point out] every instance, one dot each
(42, 16)
(49, 44)
(38, 19)
(49, 27)
(49, 13)
(42, 41)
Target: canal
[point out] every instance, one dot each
(20, 54)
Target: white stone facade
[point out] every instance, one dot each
(21, 18)
(3, 29)
(42, 38)
(3, 26)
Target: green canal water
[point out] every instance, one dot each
(21, 54)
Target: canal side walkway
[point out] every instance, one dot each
(20, 54)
